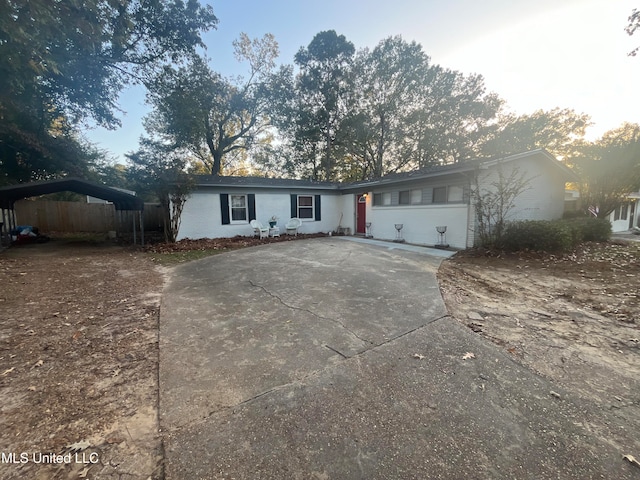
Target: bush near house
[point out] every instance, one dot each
(591, 229)
(554, 235)
(547, 235)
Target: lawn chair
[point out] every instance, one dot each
(293, 225)
(258, 229)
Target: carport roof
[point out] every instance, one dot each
(121, 200)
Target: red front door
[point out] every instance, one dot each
(361, 213)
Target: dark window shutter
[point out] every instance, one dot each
(251, 199)
(294, 205)
(317, 202)
(224, 208)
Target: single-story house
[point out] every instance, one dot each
(420, 201)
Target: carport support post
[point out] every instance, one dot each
(141, 218)
(4, 228)
(134, 228)
(12, 219)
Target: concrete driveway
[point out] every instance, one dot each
(333, 359)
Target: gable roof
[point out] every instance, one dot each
(121, 200)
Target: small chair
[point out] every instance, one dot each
(258, 229)
(293, 225)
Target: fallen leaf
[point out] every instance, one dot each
(39, 363)
(468, 355)
(418, 356)
(631, 459)
(32, 388)
(79, 446)
(83, 473)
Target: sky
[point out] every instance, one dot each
(535, 55)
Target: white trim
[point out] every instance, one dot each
(312, 207)
(246, 209)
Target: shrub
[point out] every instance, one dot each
(591, 229)
(545, 235)
(555, 235)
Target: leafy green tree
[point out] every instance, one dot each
(321, 101)
(560, 131)
(456, 112)
(162, 171)
(29, 152)
(211, 116)
(64, 62)
(380, 111)
(609, 169)
(386, 85)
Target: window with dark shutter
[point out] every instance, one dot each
(305, 207)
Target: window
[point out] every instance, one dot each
(238, 208)
(455, 194)
(440, 195)
(621, 212)
(426, 196)
(382, 199)
(305, 207)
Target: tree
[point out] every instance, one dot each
(455, 114)
(386, 88)
(67, 61)
(163, 172)
(609, 169)
(634, 24)
(321, 101)
(494, 204)
(199, 110)
(560, 131)
(30, 152)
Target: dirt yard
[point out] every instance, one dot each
(572, 318)
(79, 344)
(79, 363)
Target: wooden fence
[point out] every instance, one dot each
(50, 216)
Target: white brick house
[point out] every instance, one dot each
(419, 200)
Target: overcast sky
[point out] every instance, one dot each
(543, 54)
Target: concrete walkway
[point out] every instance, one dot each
(628, 235)
(434, 252)
(335, 359)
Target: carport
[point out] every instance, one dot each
(121, 200)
